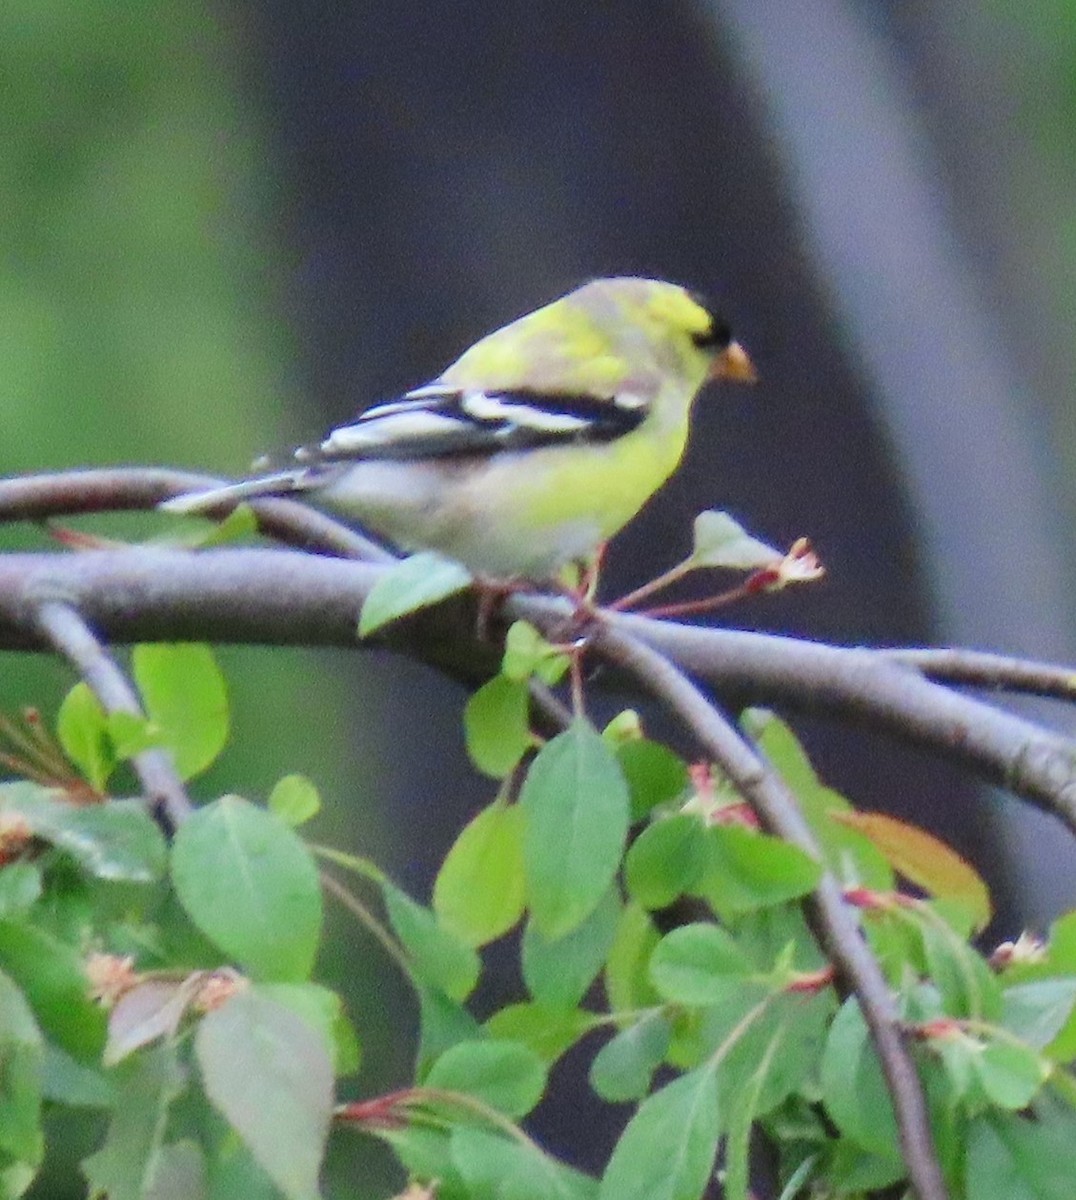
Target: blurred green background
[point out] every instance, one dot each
(224, 227)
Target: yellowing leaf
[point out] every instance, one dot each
(924, 860)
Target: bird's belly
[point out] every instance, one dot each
(503, 516)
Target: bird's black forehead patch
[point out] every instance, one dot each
(719, 335)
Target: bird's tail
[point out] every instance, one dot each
(230, 495)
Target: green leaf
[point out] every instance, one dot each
(853, 1088)
(22, 1051)
(743, 1116)
(559, 972)
(235, 1174)
(180, 1173)
(624, 1067)
(800, 1023)
(1037, 1012)
(240, 523)
(1013, 1158)
(127, 1165)
(850, 855)
(1010, 1074)
(82, 729)
(698, 1032)
(576, 805)
(721, 541)
(414, 583)
(957, 1053)
(549, 1032)
(131, 733)
(1059, 963)
(294, 799)
(508, 1076)
(968, 987)
(185, 696)
(496, 1166)
(269, 1074)
(626, 726)
(323, 1010)
(20, 887)
(479, 891)
(118, 841)
(654, 775)
(69, 1082)
(251, 886)
(668, 1149)
(51, 977)
(627, 969)
(859, 1173)
(747, 870)
(441, 959)
(424, 1151)
(666, 860)
(527, 653)
(698, 964)
(496, 725)
(926, 861)
(442, 1023)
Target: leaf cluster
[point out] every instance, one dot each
(171, 984)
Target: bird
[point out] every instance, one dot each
(535, 446)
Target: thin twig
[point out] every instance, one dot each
(369, 922)
(549, 714)
(69, 635)
(117, 489)
(658, 584)
(707, 604)
(998, 672)
(777, 810)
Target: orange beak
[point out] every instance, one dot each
(734, 364)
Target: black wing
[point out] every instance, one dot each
(437, 421)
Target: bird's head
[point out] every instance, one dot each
(673, 324)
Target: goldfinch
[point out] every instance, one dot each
(535, 446)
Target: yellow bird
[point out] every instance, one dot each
(535, 446)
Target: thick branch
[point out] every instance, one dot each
(764, 789)
(280, 597)
(865, 688)
(69, 635)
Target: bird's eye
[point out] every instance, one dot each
(717, 337)
(718, 334)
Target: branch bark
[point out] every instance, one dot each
(120, 489)
(281, 597)
(68, 634)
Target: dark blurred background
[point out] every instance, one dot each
(224, 227)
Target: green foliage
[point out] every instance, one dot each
(506, 1075)
(184, 696)
(496, 725)
(576, 806)
(295, 800)
(250, 885)
(413, 583)
(721, 541)
(479, 892)
(667, 1151)
(171, 985)
(271, 1076)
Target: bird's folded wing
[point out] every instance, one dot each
(437, 421)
